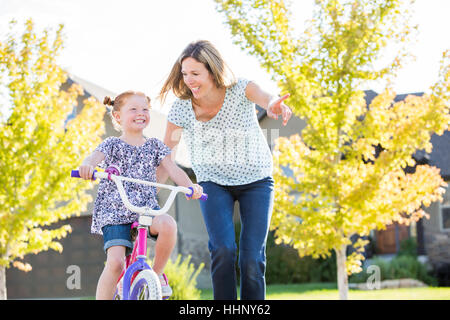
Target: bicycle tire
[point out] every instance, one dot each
(118, 295)
(146, 286)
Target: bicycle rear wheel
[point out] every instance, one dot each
(146, 286)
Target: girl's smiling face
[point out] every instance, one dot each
(134, 115)
(196, 77)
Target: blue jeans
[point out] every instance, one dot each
(255, 206)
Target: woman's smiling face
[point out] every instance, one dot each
(196, 77)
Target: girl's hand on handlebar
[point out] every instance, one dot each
(86, 171)
(198, 191)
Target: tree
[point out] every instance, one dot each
(348, 166)
(39, 145)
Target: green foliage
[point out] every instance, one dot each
(340, 186)
(183, 278)
(408, 247)
(401, 267)
(39, 144)
(285, 266)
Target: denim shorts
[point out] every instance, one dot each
(120, 235)
(117, 235)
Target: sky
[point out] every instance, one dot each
(132, 45)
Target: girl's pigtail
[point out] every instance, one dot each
(108, 102)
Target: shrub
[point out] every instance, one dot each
(402, 266)
(408, 247)
(283, 264)
(183, 278)
(405, 266)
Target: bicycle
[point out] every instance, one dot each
(138, 281)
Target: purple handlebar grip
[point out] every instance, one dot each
(204, 196)
(76, 174)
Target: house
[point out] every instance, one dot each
(51, 271)
(433, 234)
(83, 252)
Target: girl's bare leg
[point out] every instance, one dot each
(108, 279)
(166, 228)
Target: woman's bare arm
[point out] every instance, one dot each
(274, 105)
(171, 139)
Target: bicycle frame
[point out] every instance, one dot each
(137, 258)
(136, 262)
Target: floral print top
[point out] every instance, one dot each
(138, 162)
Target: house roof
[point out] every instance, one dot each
(157, 125)
(91, 89)
(439, 157)
(440, 154)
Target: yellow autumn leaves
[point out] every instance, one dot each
(44, 133)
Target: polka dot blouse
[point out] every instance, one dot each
(230, 148)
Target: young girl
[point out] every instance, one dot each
(137, 157)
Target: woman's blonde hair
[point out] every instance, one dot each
(204, 52)
(119, 101)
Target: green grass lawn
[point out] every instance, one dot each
(328, 291)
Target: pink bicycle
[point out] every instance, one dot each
(138, 281)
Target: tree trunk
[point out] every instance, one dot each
(2, 282)
(342, 278)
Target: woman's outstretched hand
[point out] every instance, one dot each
(277, 108)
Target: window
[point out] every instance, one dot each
(445, 211)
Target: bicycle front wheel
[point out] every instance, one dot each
(146, 286)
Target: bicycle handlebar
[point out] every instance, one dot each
(142, 210)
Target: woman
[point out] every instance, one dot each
(230, 158)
